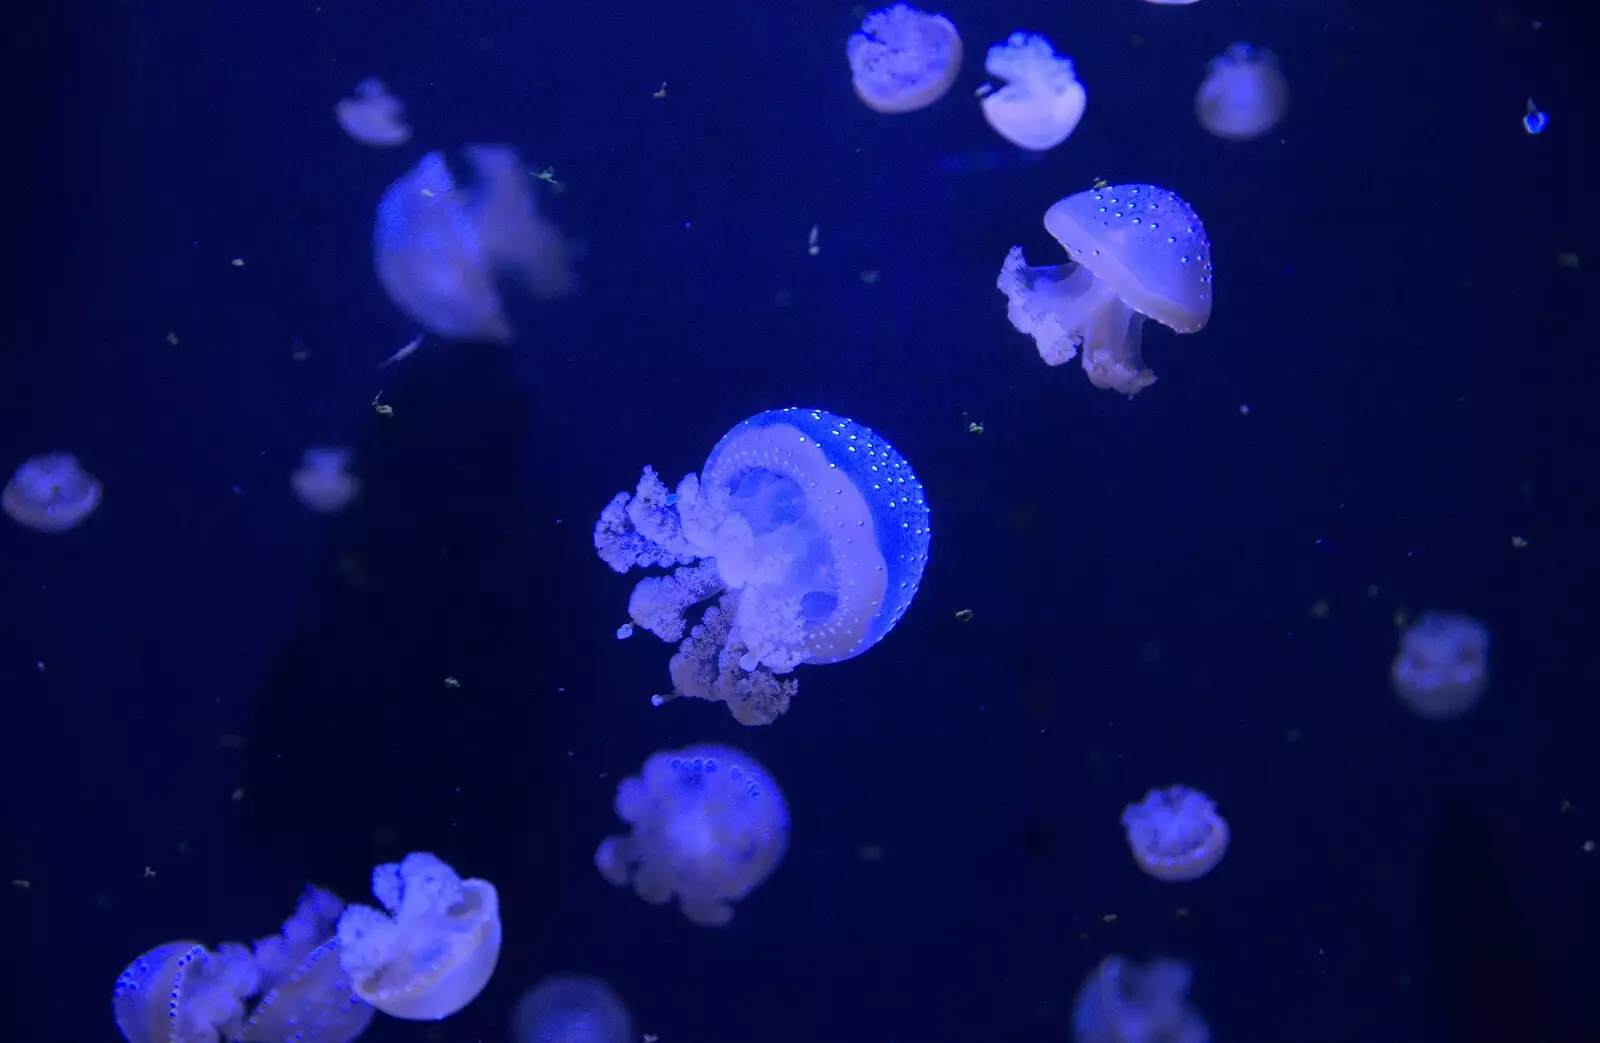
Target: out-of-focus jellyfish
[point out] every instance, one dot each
(571, 1008)
(1243, 95)
(1176, 834)
(810, 526)
(709, 824)
(51, 493)
(435, 949)
(373, 116)
(1121, 1002)
(1175, 3)
(305, 994)
(1137, 251)
(1442, 667)
(903, 59)
(181, 993)
(439, 246)
(1042, 101)
(323, 481)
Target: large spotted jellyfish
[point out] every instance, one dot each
(1243, 95)
(810, 527)
(571, 1008)
(51, 493)
(434, 949)
(903, 59)
(1122, 1002)
(1138, 251)
(1042, 101)
(709, 824)
(1175, 834)
(1442, 667)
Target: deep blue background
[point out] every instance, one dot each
(1141, 574)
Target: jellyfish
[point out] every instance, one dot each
(1442, 667)
(1176, 834)
(1243, 95)
(305, 993)
(1042, 101)
(439, 246)
(571, 1008)
(51, 493)
(182, 993)
(903, 59)
(709, 825)
(373, 117)
(323, 481)
(1121, 1002)
(1137, 251)
(810, 530)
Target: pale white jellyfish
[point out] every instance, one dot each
(323, 481)
(1122, 1002)
(373, 116)
(51, 493)
(182, 993)
(434, 950)
(709, 824)
(1042, 101)
(304, 992)
(571, 1008)
(903, 59)
(1243, 95)
(1175, 834)
(1442, 667)
(1137, 251)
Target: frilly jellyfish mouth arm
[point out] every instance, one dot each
(1057, 305)
(643, 530)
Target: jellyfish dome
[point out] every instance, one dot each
(1243, 95)
(903, 59)
(1122, 1002)
(51, 493)
(182, 993)
(810, 529)
(1042, 101)
(323, 481)
(1442, 667)
(709, 825)
(373, 117)
(435, 948)
(1176, 834)
(305, 994)
(571, 1008)
(1138, 251)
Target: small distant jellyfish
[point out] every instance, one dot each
(1243, 95)
(51, 493)
(709, 825)
(903, 59)
(809, 529)
(1175, 834)
(182, 993)
(373, 117)
(434, 950)
(323, 481)
(1138, 251)
(1442, 667)
(571, 1008)
(1122, 1002)
(1042, 101)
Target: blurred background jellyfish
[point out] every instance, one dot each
(811, 528)
(51, 493)
(305, 994)
(1121, 1002)
(323, 481)
(903, 59)
(373, 117)
(181, 993)
(1442, 667)
(571, 1008)
(435, 949)
(439, 246)
(1042, 100)
(1137, 251)
(1243, 95)
(1175, 834)
(709, 824)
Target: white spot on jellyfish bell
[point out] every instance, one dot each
(373, 117)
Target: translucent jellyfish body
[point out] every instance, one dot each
(305, 995)
(323, 481)
(1122, 1002)
(1042, 100)
(811, 528)
(903, 59)
(1137, 251)
(51, 493)
(434, 950)
(181, 993)
(709, 824)
(1243, 95)
(1442, 667)
(571, 1008)
(372, 116)
(1175, 834)
(439, 246)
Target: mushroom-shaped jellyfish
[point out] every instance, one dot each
(439, 246)
(323, 481)
(51, 493)
(571, 1008)
(810, 526)
(434, 950)
(182, 993)
(1042, 101)
(903, 59)
(373, 117)
(709, 824)
(1243, 95)
(1122, 1002)
(305, 994)
(1442, 667)
(1137, 251)
(1175, 834)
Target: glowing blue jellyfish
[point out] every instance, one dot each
(373, 116)
(324, 482)
(810, 527)
(1442, 667)
(1121, 1002)
(181, 993)
(571, 1008)
(1534, 121)
(51, 493)
(1243, 95)
(1176, 834)
(1042, 101)
(903, 59)
(305, 993)
(709, 825)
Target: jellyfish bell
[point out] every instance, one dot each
(571, 1008)
(1121, 1001)
(323, 481)
(1243, 95)
(1175, 834)
(304, 992)
(1441, 669)
(373, 117)
(1042, 101)
(182, 993)
(51, 493)
(903, 59)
